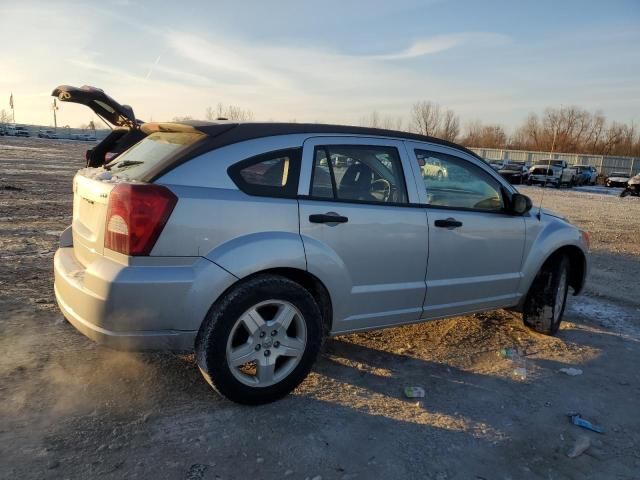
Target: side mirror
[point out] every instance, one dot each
(422, 162)
(520, 204)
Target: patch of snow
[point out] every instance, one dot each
(598, 189)
(34, 149)
(620, 319)
(103, 175)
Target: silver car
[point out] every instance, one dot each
(246, 244)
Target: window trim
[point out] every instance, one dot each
(506, 198)
(334, 185)
(289, 190)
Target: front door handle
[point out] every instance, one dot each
(330, 217)
(449, 223)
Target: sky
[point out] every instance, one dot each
(331, 61)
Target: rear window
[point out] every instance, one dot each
(542, 171)
(140, 159)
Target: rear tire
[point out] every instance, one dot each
(271, 328)
(547, 297)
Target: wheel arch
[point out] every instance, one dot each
(313, 285)
(577, 268)
(307, 280)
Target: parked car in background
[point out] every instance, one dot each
(552, 172)
(21, 131)
(241, 242)
(47, 133)
(617, 179)
(83, 137)
(433, 168)
(633, 187)
(514, 172)
(496, 164)
(586, 175)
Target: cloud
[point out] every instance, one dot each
(442, 43)
(241, 61)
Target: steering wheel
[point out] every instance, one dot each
(385, 190)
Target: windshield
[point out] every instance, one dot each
(620, 174)
(144, 155)
(557, 163)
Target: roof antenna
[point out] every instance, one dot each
(544, 187)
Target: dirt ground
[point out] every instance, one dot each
(71, 409)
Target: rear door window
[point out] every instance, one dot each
(154, 149)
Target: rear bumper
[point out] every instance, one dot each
(138, 307)
(542, 180)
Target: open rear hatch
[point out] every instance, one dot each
(102, 104)
(127, 130)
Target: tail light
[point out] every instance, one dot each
(136, 216)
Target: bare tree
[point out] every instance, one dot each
(426, 118)
(372, 120)
(487, 136)
(230, 112)
(182, 119)
(375, 120)
(5, 117)
(450, 128)
(392, 123)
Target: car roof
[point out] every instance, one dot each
(234, 132)
(222, 133)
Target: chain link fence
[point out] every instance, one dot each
(604, 164)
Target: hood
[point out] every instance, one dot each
(619, 179)
(102, 104)
(553, 214)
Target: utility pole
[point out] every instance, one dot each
(13, 112)
(55, 120)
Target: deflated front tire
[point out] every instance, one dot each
(547, 297)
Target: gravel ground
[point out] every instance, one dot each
(71, 409)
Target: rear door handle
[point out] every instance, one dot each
(449, 223)
(330, 217)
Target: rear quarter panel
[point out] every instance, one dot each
(214, 219)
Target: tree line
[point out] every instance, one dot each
(565, 129)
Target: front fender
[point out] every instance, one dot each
(544, 238)
(248, 254)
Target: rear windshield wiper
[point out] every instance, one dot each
(123, 164)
